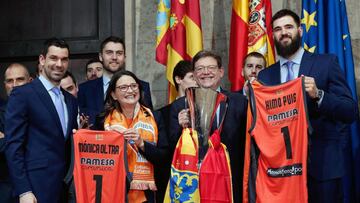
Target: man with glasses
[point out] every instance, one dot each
(208, 72)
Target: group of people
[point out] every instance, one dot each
(36, 130)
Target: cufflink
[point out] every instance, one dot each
(319, 95)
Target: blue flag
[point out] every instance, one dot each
(326, 30)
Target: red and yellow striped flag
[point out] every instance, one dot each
(179, 35)
(250, 31)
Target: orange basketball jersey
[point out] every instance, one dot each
(276, 160)
(99, 169)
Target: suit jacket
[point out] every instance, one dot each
(91, 97)
(3, 166)
(232, 134)
(37, 151)
(337, 108)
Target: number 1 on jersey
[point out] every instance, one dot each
(98, 190)
(286, 134)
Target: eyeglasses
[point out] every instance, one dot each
(201, 69)
(125, 88)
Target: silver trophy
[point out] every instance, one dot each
(204, 103)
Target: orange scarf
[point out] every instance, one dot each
(141, 169)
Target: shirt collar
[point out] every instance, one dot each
(218, 89)
(296, 58)
(47, 84)
(106, 80)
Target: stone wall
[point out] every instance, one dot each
(216, 16)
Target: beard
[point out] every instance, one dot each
(289, 49)
(109, 70)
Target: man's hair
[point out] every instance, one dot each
(68, 73)
(113, 39)
(256, 55)
(180, 70)
(204, 54)
(54, 42)
(93, 60)
(286, 12)
(12, 65)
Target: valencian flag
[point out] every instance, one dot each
(326, 30)
(250, 31)
(179, 35)
(184, 178)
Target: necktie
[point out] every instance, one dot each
(106, 86)
(59, 108)
(290, 74)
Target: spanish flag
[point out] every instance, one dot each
(215, 173)
(250, 31)
(179, 35)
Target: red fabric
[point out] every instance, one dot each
(243, 37)
(215, 174)
(237, 51)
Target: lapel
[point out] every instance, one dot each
(223, 104)
(217, 118)
(306, 64)
(47, 101)
(99, 90)
(275, 74)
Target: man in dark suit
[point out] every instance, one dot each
(5, 184)
(91, 93)
(38, 127)
(329, 102)
(15, 75)
(208, 72)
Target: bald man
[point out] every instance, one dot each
(16, 74)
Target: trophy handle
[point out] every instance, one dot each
(189, 100)
(219, 99)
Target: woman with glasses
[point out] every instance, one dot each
(126, 113)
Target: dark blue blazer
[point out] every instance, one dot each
(91, 97)
(3, 166)
(232, 134)
(337, 108)
(37, 151)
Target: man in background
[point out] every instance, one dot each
(94, 69)
(16, 74)
(254, 62)
(183, 78)
(92, 93)
(69, 84)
